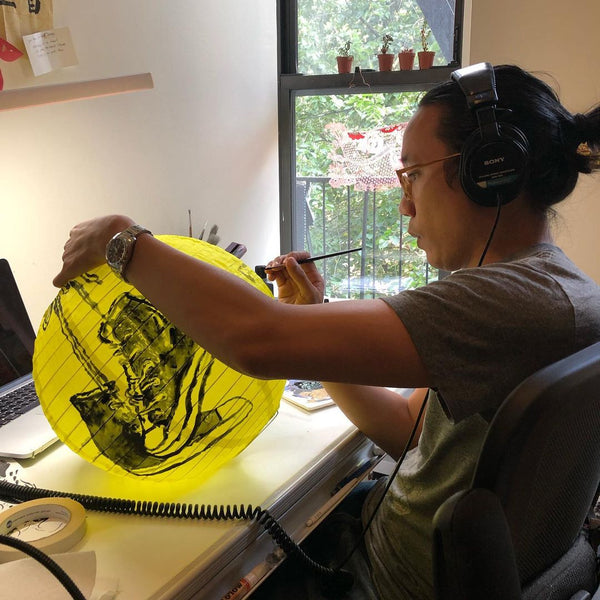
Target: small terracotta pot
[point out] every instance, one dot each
(386, 61)
(406, 60)
(426, 59)
(344, 64)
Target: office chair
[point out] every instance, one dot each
(517, 532)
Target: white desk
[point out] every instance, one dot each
(290, 469)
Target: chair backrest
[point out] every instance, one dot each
(541, 457)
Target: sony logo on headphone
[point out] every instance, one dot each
(493, 161)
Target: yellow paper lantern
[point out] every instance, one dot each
(129, 392)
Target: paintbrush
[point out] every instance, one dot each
(313, 258)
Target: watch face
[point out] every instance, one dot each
(117, 251)
(120, 248)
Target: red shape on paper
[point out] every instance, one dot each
(8, 52)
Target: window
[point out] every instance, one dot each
(340, 134)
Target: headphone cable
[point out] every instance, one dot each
(391, 478)
(489, 241)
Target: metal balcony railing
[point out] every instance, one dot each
(329, 219)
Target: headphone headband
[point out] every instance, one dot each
(478, 84)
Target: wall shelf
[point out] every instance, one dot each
(65, 92)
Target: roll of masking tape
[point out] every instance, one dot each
(50, 524)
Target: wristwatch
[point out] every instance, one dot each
(119, 249)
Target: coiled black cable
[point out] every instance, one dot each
(18, 493)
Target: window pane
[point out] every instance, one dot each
(326, 25)
(333, 215)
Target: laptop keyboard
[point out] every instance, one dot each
(17, 402)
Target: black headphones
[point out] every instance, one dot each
(495, 157)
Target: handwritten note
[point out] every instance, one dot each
(50, 50)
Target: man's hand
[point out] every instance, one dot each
(297, 284)
(86, 246)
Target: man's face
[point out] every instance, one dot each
(442, 217)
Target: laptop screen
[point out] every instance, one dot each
(16, 333)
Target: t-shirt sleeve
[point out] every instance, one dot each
(480, 332)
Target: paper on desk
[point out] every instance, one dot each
(27, 579)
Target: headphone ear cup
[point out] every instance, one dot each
(494, 170)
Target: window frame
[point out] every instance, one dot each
(292, 84)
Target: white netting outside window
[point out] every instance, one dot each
(367, 160)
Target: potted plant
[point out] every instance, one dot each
(426, 55)
(385, 58)
(344, 58)
(406, 58)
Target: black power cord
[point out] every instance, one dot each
(45, 561)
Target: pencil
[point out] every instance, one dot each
(313, 258)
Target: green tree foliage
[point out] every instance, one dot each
(326, 25)
(344, 217)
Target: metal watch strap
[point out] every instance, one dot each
(136, 230)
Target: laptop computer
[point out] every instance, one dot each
(24, 429)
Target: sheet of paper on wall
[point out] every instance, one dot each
(50, 50)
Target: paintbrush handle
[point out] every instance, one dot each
(313, 258)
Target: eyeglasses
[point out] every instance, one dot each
(404, 174)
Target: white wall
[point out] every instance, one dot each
(204, 139)
(556, 39)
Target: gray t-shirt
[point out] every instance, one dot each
(479, 332)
